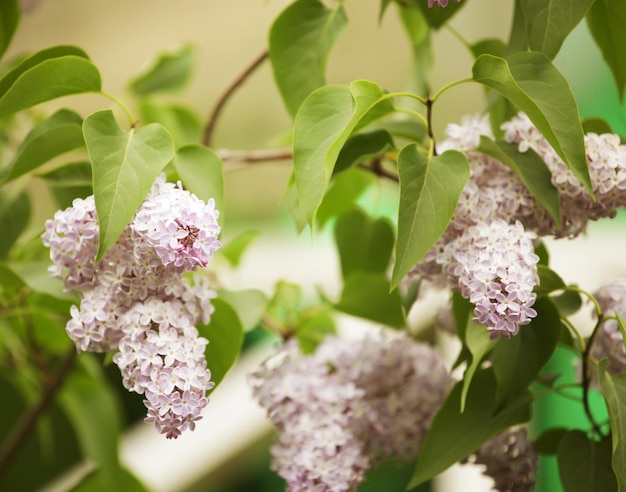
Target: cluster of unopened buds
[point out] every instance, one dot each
(487, 250)
(136, 303)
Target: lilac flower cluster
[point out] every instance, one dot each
(609, 341)
(349, 406)
(510, 460)
(135, 301)
(495, 200)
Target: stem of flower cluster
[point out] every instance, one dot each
(586, 380)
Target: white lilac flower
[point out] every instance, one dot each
(609, 341)
(348, 406)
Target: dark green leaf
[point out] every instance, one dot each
(453, 435)
(225, 335)
(548, 442)
(54, 136)
(9, 20)
(429, 192)
(567, 302)
(299, 42)
(125, 166)
(542, 252)
(461, 310)
(364, 243)
(367, 295)
(518, 40)
(362, 147)
(344, 190)
(614, 391)
(479, 344)
(200, 170)
(532, 171)
(14, 218)
(234, 249)
(169, 72)
(531, 82)
(323, 124)
(596, 125)
(606, 20)
(549, 281)
(249, 304)
(9, 280)
(518, 360)
(438, 16)
(46, 75)
(182, 123)
(313, 331)
(584, 464)
(549, 22)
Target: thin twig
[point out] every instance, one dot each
(429, 118)
(225, 95)
(587, 380)
(26, 424)
(252, 156)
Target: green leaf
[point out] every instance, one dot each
(606, 20)
(429, 192)
(234, 249)
(596, 125)
(364, 243)
(489, 46)
(299, 43)
(531, 82)
(249, 304)
(549, 22)
(367, 295)
(54, 136)
(437, 16)
(68, 182)
(200, 170)
(322, 126)
(126, 482)
(8, 22)
(169, 72)
(383, 8)
(125, 165)
(531, 170)
(46, 75)
(14, 218)
(584, 463)
(518, 39)
(479, 344)
(518, 360)
(362, 147)
(345, 188)
(614, 391)
(313, 331)
(91, 407)
(549, 281)
(548, 442)
(37, 277)
(225, 335)
(453, 435)
(181, 122)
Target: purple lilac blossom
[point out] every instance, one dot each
(135, 302)
(609, 341)
(348, 407)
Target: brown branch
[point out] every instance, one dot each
(225, 95)
(252, 156)
(26, 424)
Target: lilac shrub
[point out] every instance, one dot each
(135, 301)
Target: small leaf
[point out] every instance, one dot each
(531, 170)
(200, 170)
(614, 391)
(584, 464)
(54, 136)
(364, 243)
(46, 75)
(596, 125)
(225, 335)
(14, 218)
(313, 331)
(479, 344)
(169, 72)
(8, 22)
(68, 182)
(125, 165)
(489, 46)
(606, 20)
(549, 22)
(322, 126)
(367, 295)
(549, 281)
(299, 42)
(548, 442)
(249, 304)
(429, 192)
(438, 16)
(453, 435)
(362, 147)
(181, 122)
(531, 82)
(234, 249)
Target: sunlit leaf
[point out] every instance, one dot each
(429, 192)
(479, 344)
(54, 136)
(200, 170)
(532, 83)
(299, 43)
(169, 72)
(181, 122)
(125, 166)
(234, 249)
(36, 276)
(8, 22)
(249, 304)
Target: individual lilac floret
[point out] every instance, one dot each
(347, 407)
(609, 341)
(162, 357)
(180, 227)
(510, 460)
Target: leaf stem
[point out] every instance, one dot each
(449, 86)
(586, 380)
(227, 93)
(17, 438)
(131, 120)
